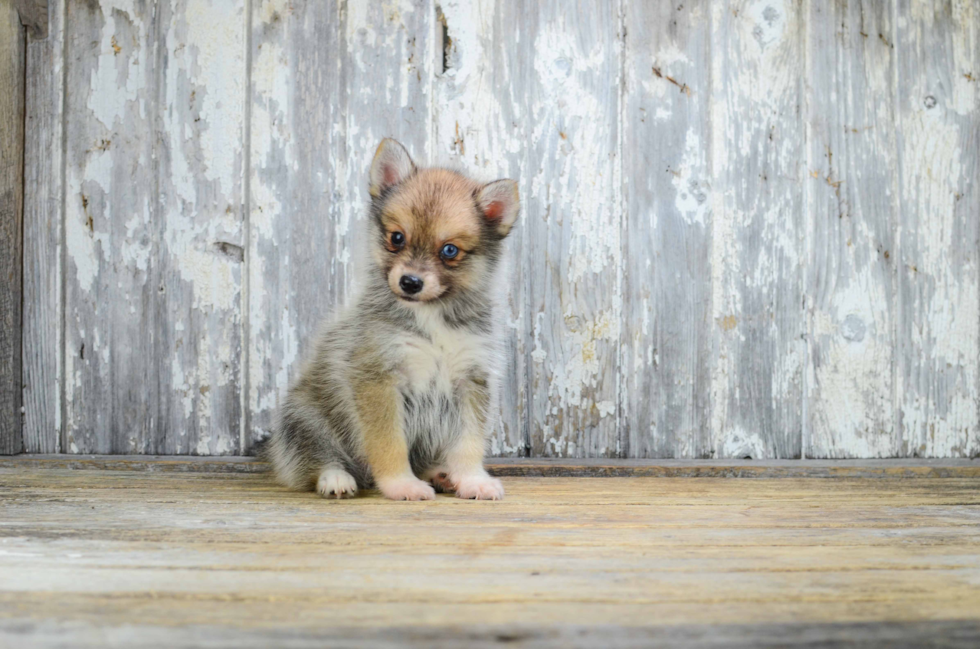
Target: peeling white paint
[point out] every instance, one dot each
(580, 185)
(581, 366)
(692, 192)
(213, 57)
(119, 76)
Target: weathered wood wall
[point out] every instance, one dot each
(750, 228)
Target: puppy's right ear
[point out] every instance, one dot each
(391, 165)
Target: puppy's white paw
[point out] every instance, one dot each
(406, 489)
(479, 487)
(336, 482)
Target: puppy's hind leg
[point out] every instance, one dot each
(335, 481)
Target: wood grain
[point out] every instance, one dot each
(44, 171)
(12, 62)
(938, 375)
(955, 634)
(573, 226)
(757, 154)
(667, 326)
(238, 554)
(852, 207)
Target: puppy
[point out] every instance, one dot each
(399, 390)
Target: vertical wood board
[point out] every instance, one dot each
(44, 129)
(852, 187)
(201, 156)
(12, 61)
(668, 330)
(573, 257)
(939, 231)
(757, 167)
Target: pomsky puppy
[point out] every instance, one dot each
(399, 391)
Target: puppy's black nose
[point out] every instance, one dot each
(410, 284)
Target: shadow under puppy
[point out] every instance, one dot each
(401, 386)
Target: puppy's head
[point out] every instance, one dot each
(438, 232)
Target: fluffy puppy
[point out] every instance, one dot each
(399, 390)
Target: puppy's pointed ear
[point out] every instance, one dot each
(500, 203)
(391, 165)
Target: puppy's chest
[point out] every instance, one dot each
(446, 358)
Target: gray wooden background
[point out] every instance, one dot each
(749, 228)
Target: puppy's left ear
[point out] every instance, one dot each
(391, 165)
(500, 203)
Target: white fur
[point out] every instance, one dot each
(337, 482)
(479, 487)
(448, 358)
(406, 488)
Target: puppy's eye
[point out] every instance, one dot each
(449, 251)
(397, 239)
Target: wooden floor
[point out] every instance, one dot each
(149, 558)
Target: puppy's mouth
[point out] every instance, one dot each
(416, 299)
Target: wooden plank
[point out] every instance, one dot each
(851, 208)
(110, 306)
(238, 554)
(479, 122)
(153, 227)
(298, 261)
(667, 327)
(43, 237)
(869, 635)
(201, 192)
(550, 467)
(571, 71)
(12, 64)
(757, 167)
(938, 374)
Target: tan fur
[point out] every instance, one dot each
(432, 208)
(384, 441)
(439, 202)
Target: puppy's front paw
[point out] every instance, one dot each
(336, 482)
(406, 489)
(480, 487)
